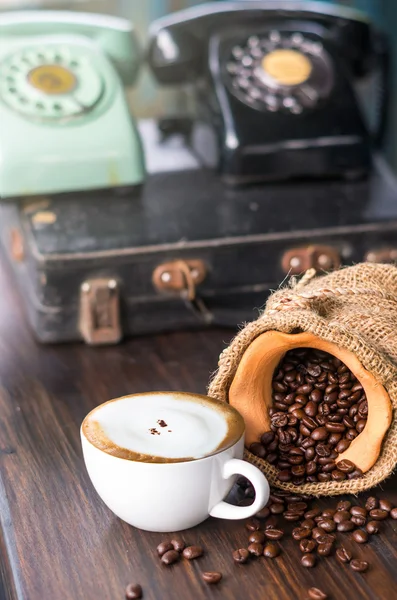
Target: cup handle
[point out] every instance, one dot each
(235, 466)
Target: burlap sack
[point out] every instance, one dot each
(356, 308)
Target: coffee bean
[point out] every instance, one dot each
(271, 523)
(307, 546)
(359, 521)
(346, 466)
(309, 523)
(377, 514)
(335, 427)
(373, 527)
(328, 525)
(133, 591)
(291, 515)
(385, 505)
(241, 556)
(170, 557)
(393, 513)
(359, 565)
(343, 505)
(325, 549)
(316, 594)
(258, 450)
(253, 525)
(271, 551)
(274, 534)
(338, 475)
(361, 423)
(192, 552)
(178, 544)
(341, 515)
(342, 446)
(312, 513)
(163, 547)
(308, 561)
(299, 533)
(316, 532)
(329, 513)
(323, 450)
(263, 514)
(326, 538)
(267, 438)
(211, 577)
(360, 536)
(319, 434)
(371, 503)
(343, 554)
(356, 473)
(284, 476)
(255, 549)
(358, 511)
(276, 509)
(324, 476)
(257, 537)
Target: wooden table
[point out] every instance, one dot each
(58, 541)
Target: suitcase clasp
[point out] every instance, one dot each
(299, 260)
(100, 311)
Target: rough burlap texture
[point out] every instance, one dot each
(356, 308)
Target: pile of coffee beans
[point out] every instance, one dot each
(319, 408)
(319, 533)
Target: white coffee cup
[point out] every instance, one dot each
(165, 461)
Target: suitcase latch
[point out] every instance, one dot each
(384, 255)
(100, 311)
(299, 260)
(181, 276)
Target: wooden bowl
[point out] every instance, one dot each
(251, 392)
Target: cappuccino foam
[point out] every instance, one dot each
(163, 427)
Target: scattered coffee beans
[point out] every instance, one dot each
(255, 549)
(360, 536)
(316, 594)
(133, 591)
(192, 552)
(378, 514)
(359, 565)
(307, 546)
(319, 408)
(212, 576)
(164, 547)
(274, 534)
(308, 561)
(178, 544)
(343, 554)
(253, 525)
(258, 537)
(373, 527)
(170, 557)
(241, 556)
(271, 551)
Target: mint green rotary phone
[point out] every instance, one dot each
(65, 123)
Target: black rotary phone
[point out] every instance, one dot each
(275, 86)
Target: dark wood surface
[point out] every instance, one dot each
(59, 541)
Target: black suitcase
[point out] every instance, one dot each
(185, 251)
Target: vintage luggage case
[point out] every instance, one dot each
(184, 251)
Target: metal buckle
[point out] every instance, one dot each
(100, 312)
(382, 255)
(180, 276)
(321, 258)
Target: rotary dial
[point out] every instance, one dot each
(50, 83)
(285, 72)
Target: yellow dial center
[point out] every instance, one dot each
(287, 67)
(52, 79)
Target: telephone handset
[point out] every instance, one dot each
(274, 86)
(66, 125)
